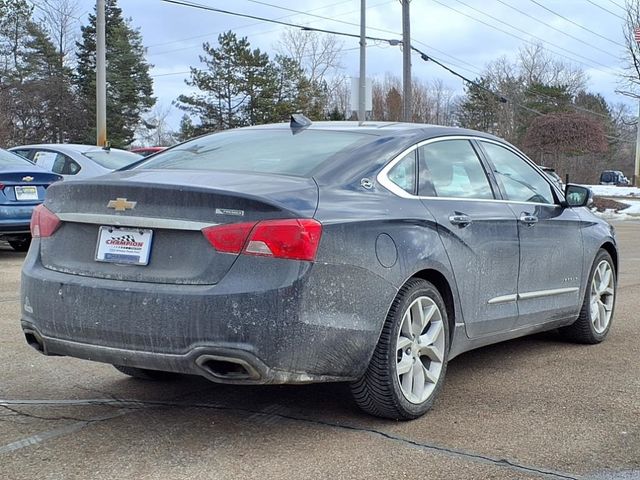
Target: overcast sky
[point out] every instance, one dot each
(449, 30)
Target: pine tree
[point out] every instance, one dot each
(240, 86)
(36, 97)
(479, 110)
(129, 86)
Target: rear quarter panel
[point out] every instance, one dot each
(372, 243)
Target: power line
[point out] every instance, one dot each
(259, 23)
(605, 9)
(593, 62)
(576, 23)
(501, 98)
(393, 42)
(617, 5)
(559, 30)
(524, 39)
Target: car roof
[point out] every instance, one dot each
(382, 128)
(64, 147)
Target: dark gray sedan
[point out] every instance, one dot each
(372, 254)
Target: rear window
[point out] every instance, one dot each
(8, 159)
(262, 151)
(112, 159)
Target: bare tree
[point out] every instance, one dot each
(320, 57)
(536, 65)
(319, 54)
(630, 81)
(61, 19)
(154, 129)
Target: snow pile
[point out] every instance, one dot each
(632, 212)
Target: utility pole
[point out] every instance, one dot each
(101, 76)
(636, 166)
(406, 61)
(362, 87)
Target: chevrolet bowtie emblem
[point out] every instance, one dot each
(121, 204)
(28, 178)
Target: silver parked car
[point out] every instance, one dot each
(370, 253)
(76, 161)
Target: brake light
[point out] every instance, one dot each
(228, 238)
(295, 239)
(43, 222)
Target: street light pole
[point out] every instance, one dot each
(636, 166)
(101, 76)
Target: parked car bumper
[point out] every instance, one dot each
(14, 220)
(297, 329)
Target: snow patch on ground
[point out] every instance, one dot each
(613, 191)
(632, 212)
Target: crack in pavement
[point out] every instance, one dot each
(271, 412)
(20, 413)
(57, 432)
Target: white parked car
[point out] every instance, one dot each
(76, 161)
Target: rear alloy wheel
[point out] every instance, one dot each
(21, 245)
(594, 320)
(145, 374)
(408, 366)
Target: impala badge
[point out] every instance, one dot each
(28, 178)
(121, 204)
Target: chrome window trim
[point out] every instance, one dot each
(142, 222)
(383, 179)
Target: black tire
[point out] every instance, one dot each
(145, 374)
(583, 329)
(379, 391)
(21, 245)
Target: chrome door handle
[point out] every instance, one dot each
(528, 219)
(460, 219)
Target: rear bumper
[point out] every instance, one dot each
(15, 219)
(267, 321)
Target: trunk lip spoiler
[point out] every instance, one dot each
(131, 221)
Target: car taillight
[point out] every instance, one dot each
(43, 222)
(295, 239)
(228, 238)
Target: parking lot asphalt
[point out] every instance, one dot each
(526, 409)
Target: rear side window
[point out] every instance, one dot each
(263, 151)
(452, 169)
(403, 174)
(56, 162)
(8, 159)
(521, 182)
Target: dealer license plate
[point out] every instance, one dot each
(26, 193)
(124, 245)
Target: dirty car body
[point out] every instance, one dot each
(274, 254)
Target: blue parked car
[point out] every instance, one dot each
(22, 187)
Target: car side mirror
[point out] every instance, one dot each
(577, 195)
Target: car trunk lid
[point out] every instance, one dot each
(174, 206)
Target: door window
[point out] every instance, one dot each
(522, 183)
(451, 168)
